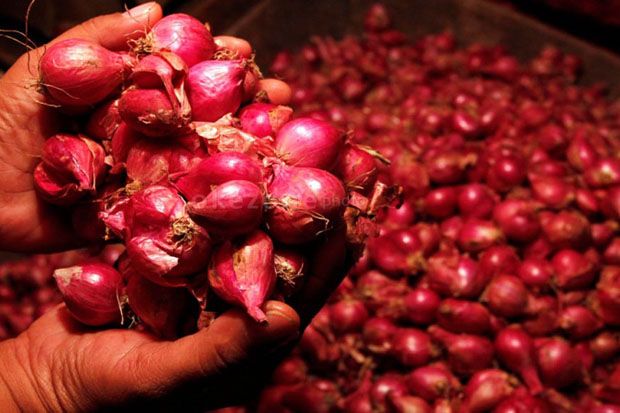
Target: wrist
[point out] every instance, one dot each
(19, 389)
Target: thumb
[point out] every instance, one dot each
(112, 31)
(205, 357)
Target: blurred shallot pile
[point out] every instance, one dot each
(495, 287)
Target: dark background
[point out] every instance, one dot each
(597, 21)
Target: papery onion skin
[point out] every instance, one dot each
(91, 293)
(71, 167)
(306, 202)
(243, 273)
(150, 112)
(163, 243)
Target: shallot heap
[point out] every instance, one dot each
(220, 197)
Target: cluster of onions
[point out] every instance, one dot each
(27, 288)
(495, 287)
(220, 197)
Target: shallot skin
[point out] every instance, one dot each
(242, 272)
(71, 167)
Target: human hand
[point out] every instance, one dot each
(27, 223)
(61, 365)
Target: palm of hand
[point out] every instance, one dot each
(28, 223)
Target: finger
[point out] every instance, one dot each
(278, 91)
(234, 43)
(233, 339)
(112, 31)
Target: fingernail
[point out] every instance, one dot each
(140, 10)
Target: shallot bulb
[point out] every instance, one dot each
(104, 121)
(163, 243)
(308, 142)
(215, 88)
(232, 208)
(71, 167)
(91, 292)
(152, 113)
(264, 119)
(515, 349)
(197, 181)
(78, 73)
(242, 272)
(304, 203)
(181, 34)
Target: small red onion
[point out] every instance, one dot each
(357, 168)
(552, 191)
(378, 334)
(477, 235)
(305, 202)
(408, 404)
(387, 385)
(485, 390)
(420, 306)
(440, 203)
(242, 272)
(152, 113)
(181, 34)
(264, 119)
(573, 270)
(77, 72)
(542, 315)
(433, 382)
(455, 276)
(215, 88)
(476, 201)
(498, 259)
(578, 322)
(71, 167)
(603, 172)
(515, 349)
(466, 353)
(91, 293)
(412, 347)
(517, 220)
(163, 243)
(605, 346)
(232, 208)
(397, 252)
(506, 296)
(347, 316)
(536, 273)
(558, 363)
(308, 142)
(460, 316)
(197, 181)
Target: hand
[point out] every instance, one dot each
(26, 223)
(60, 365)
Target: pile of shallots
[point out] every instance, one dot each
(495, 287)
(220, 197)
